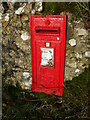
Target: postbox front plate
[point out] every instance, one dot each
(48, 53)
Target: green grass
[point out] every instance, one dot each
(19, 104)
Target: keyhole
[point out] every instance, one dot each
(40, 68)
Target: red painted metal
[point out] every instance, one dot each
(51, 30)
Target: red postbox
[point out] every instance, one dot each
(48, 53)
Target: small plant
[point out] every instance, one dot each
(21, 104)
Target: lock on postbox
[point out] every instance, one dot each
(48, 53)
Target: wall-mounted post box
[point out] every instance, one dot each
(48, 53)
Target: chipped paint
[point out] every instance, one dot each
(20, 10)
(77, 70)
(25, 36)
(0, 16)
(72, 42)
(7, 17)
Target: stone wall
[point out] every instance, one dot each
(16, 46)
(16, 41)
(77, 48)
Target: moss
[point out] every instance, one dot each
(56, 8)
(78, 10)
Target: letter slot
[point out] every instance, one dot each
(47, 30)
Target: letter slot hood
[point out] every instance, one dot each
(47, 30)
